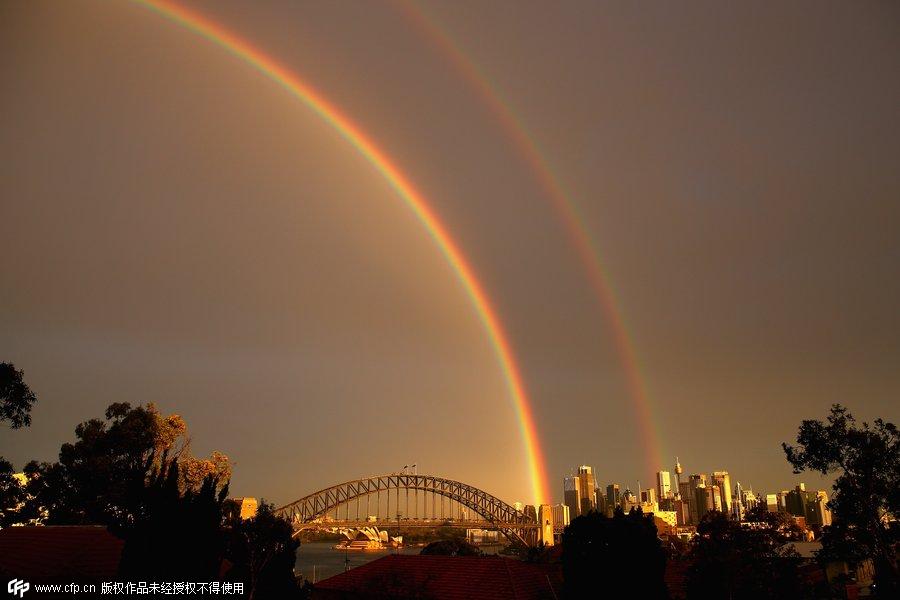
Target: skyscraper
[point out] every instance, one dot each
(560, 515)
(572, 495)
(721, 479)
(613, 497)
(663, 485)
(586, 489)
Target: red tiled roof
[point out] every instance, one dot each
(73, 553)
(445, 578)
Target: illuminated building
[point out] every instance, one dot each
(663, 484)
(721, 479)
(586, 487)
(572, 495)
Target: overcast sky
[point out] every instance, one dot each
(176, 229)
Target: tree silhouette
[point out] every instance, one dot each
(867, 460)
(263, 551)
(173, 534)
(750, 560)
(451, 548)
(16, 398)
(16, 401)
(605, 556)
(100, 478)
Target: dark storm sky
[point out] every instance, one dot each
(175, 228)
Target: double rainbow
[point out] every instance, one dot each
(400, 182)
(529, 150)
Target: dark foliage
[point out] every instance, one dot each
(173, 535)
(867, 461)
(613, 557)
(263, 552)
(16, 398)
(100, 478)
(12, 494)
(451, 548)
(731, 560)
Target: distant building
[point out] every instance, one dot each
(572, 495)
(561, 515)
(613, 497)
(722, 479)
(240, 508)
(545, 514)
(586, 486)
(772, 503)
(663, 484)
(600, 500)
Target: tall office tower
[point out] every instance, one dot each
(717, 501)
(772, 503)
(750, 500)
(648, 495)
(560, 516)
(782, 500)
(600, 501)
(613, 497)
(796, 500)
(702, 503)
(663, 485)
(819, 512)
(737, 503)
(586, 487)
(572, 495)
(721, 479)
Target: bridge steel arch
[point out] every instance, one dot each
(515, 525)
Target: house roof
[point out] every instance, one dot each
(70, 553)
(446, 578)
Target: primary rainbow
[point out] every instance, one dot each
(598, 277)
(314, 100)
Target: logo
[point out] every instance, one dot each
(18, 587)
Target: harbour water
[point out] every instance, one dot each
(320, 560)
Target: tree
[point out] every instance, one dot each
(749, 560)
(451, 548)
(867, 461)
(613, 556)
(263, 551)
(12, 494)
(16, 398)
(174, 534)
(101, 478)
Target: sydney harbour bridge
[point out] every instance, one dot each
(410, 500)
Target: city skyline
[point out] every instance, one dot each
(181, 227)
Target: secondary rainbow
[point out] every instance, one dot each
(314, 100)
(597, 275)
